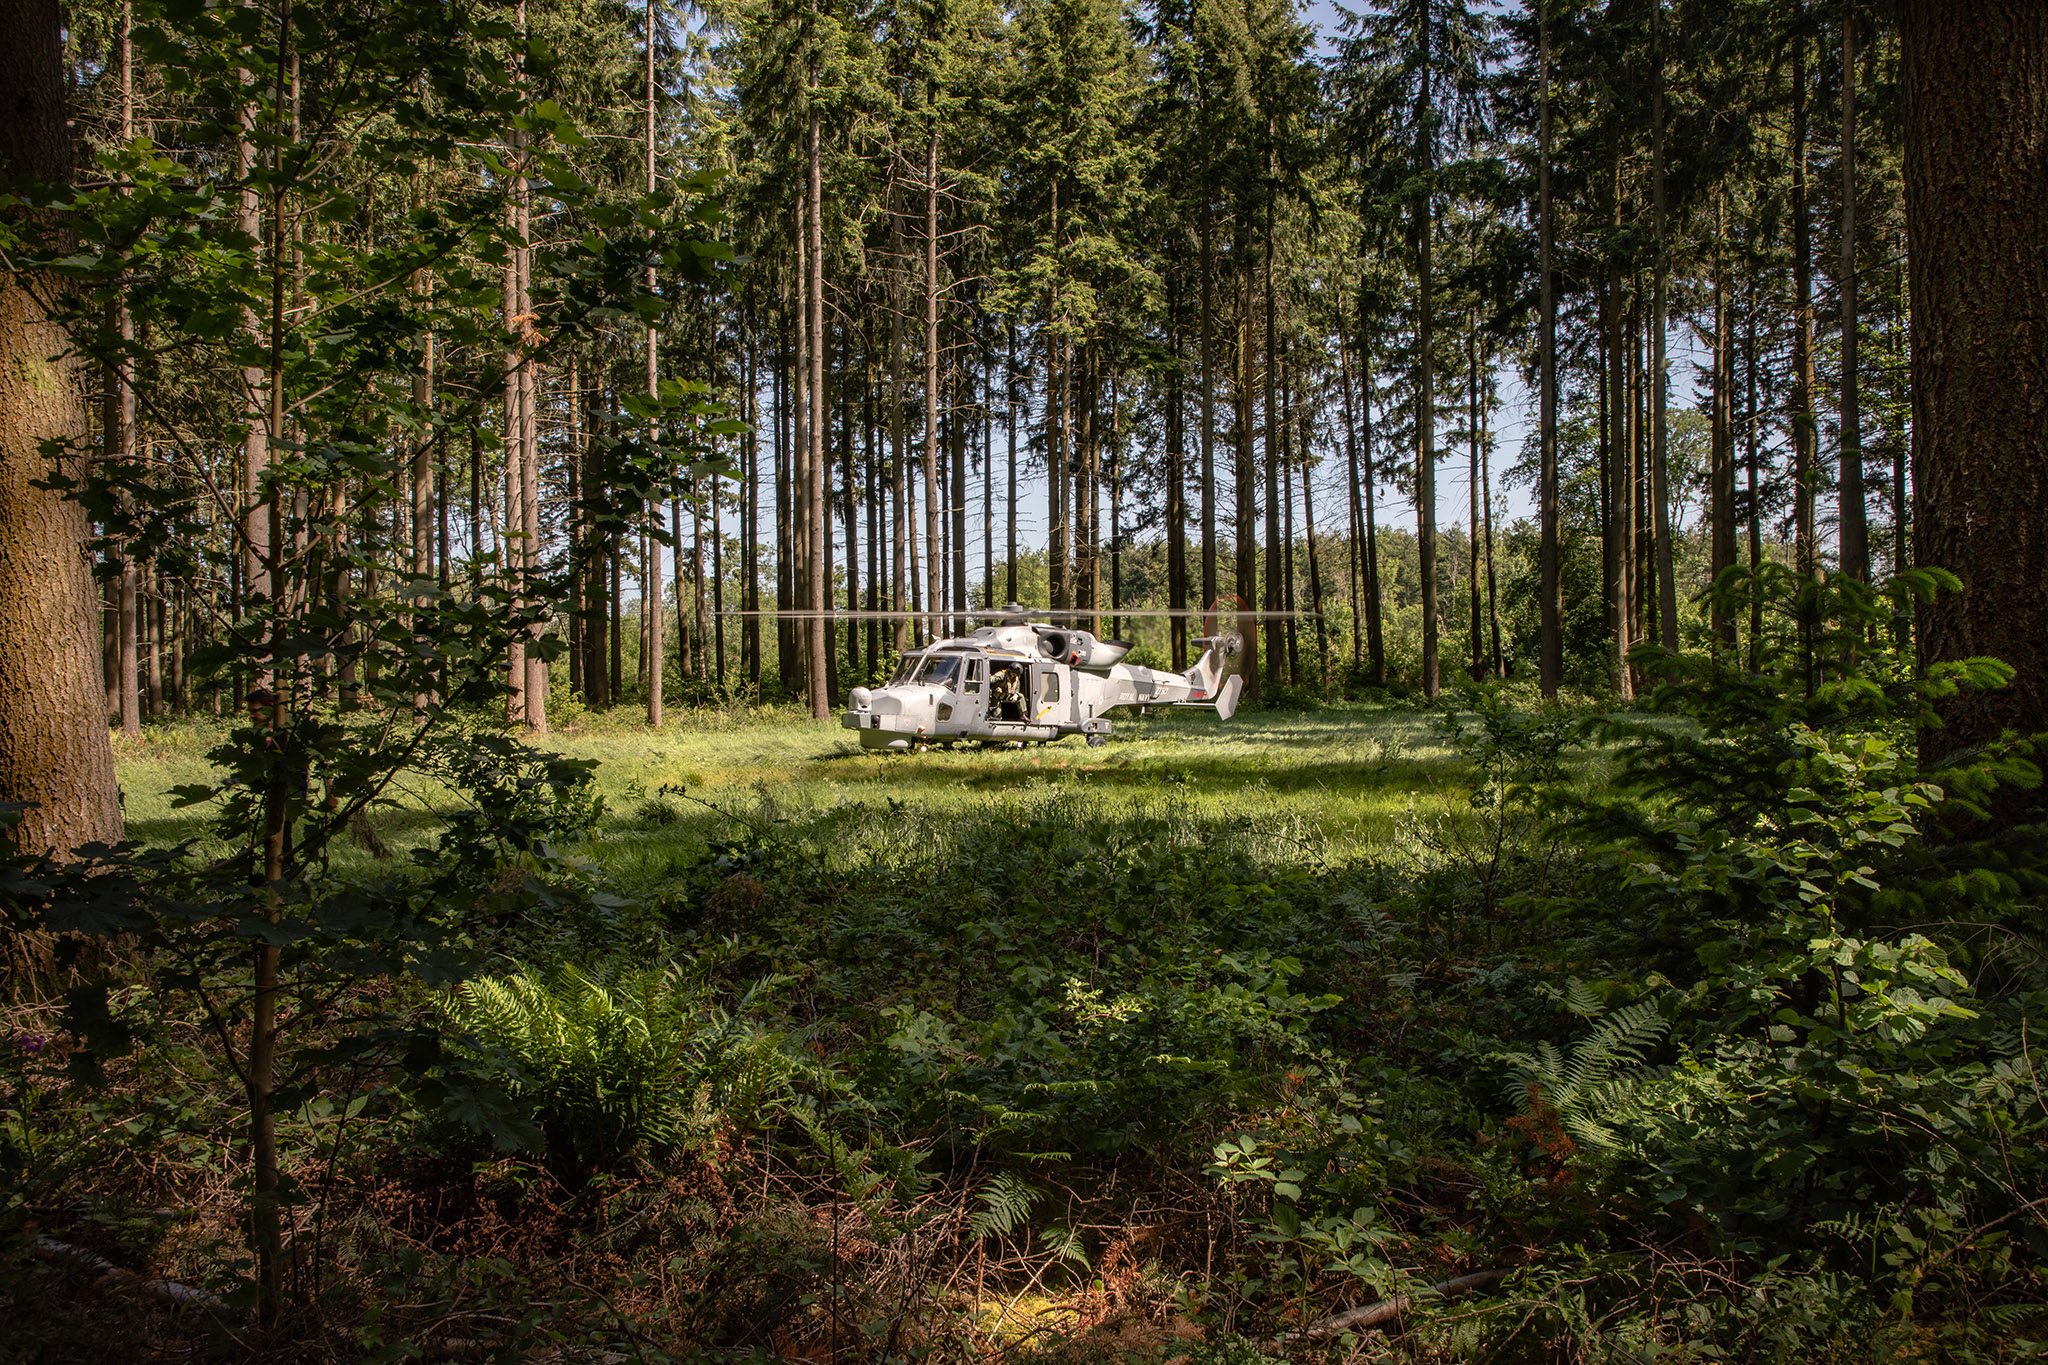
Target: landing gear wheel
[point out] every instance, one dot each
(1097, 741)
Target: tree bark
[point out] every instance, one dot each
(1375, 627)
(1550, 584)
(55, 755)
(1425, 385)
(1275, 435)
(1475, 604)
(1805, 425)
(1613, 537)
(1976, 175)
(1208, 406)
(1357, 536)
(650, 590)
(898, 441)
(1853, 516)
(818, 555)
(1245, 481)
(1176, 481)
(1721, 461)
(934, 600)
(1660, 322)
(1010, 505)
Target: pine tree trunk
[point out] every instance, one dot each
(579, 543)
(899, 454)
(957, 424)
(1245, 482)
(1010, 501)
(118, 428)
(750, 520)
(1315, 575)
(1057, 408)
(1357, 521)
(513, 410)
(786, 424)
(933, 562)
(255, 442)
(1853, 515)
(1276, 547)
(1375, 625)
(986, 418)
(819, 648)
(1500, 663)
(536, 689)
(1176, 481)
(153, 623)
(1475, 603)
(1425, 378)
(126, 648)
(1805, 425)
(650, 585)
(597, 675)
(1550, 584)
(1425, 449)
(1279, 374)
(850, 475)
(1613, 531)
(1082, 486)
(1721, 460)
(1632, 580)
(1660, 479)
(1976, 80)
(1208, 405)
(54, 749)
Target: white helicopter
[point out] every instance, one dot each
(1021, 681)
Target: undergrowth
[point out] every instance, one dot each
(1707, 1033)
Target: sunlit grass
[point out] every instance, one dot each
(1343, 776)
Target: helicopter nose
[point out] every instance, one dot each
(861, 697)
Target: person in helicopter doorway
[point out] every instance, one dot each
(1007, 688)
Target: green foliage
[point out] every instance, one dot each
(593, 1067)
(1588, 1091)
(1809, 1088)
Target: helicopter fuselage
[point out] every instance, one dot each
(1020, 683)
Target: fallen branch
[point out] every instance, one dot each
(170, 1291)
(1377, 1315)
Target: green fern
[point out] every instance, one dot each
(1595, 1087)
(1005, 1203)
(606, 1063)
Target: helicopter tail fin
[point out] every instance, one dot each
(1226, 700)
(1208, 680)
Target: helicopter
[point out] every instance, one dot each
(1020, 681)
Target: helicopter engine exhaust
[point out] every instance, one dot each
(1080, 649)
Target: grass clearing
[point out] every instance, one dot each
(1346, 775)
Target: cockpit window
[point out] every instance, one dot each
(941, 670)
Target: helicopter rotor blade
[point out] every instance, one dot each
(996, 613)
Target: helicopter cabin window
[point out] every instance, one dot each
(1049, 686)
(974, 667)
(942, 670)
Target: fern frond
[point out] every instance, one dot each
(1005, 1203)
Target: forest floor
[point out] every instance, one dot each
(1026, 991)
(1174, 1050)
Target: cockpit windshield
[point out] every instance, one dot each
(940, 670)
